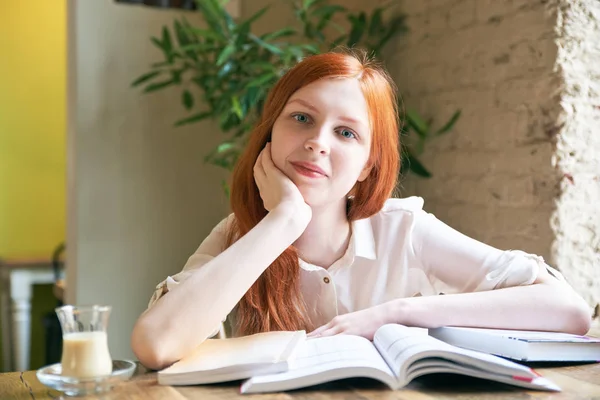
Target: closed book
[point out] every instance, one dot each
(222, 360)
(522, 345)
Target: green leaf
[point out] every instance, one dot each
(245, 26)
(187, 99)
(450, 124)
(195, 48)
(225, 187)
(166, 39)
(226, 69)
(161, 64)
(410, 162)
(310, 48)
(205, 33)
(159, 85)
(176, 75)
(417, 123)
(397, 25)
(237, 108)
(224, 147)
(339, 41)
(165, 45)
(194, 118)
(180, 33)
(306, 4)
(225, 54)
(359, 25)
(260, 65)
(229, 121)
(289, 31)
(326, 13)
(157, 43)
(229, 22)
(376, 24)
(251, 96)
(213, 13)
(271, 48)
(145, 78)
(261, 80)
(328, 10)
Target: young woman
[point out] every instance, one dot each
(315, 242)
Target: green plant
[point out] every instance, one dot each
(226, 70)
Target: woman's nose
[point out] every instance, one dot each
(317, 143)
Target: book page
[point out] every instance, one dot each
(324, 359)
(402, 349)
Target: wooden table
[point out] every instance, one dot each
(577, 381)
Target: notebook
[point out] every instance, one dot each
(221, 360)
(522, 345)
(395, 357)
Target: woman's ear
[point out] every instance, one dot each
(366, 171)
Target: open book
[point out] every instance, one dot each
(396, 356)
(222, 360)
(522, 345)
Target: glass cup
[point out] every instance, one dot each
(85, 347)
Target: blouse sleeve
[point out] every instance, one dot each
(456, 263)
(213, 245)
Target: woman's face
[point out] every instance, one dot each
(322, 139)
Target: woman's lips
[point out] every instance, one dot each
(308, 169)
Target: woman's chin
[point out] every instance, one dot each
(310, 197)
(315, 198)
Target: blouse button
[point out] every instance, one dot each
(326, 280)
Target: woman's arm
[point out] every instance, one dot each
(546, 305)
(184, 318)
(487, 287)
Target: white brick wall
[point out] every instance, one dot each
(493, 177)
(496, 176)
(576, 221)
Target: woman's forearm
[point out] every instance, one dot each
(185, 317)
(543, 306)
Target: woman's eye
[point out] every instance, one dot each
(347, 133)
(301, 118)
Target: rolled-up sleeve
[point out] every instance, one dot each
(456, 263)
(213, 245)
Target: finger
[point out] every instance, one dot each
(323, 328)
(318, 331)
(331, 331)
(259, 171)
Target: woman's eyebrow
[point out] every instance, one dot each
(352, 120)
(305, 104)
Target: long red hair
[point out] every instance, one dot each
(274, 302)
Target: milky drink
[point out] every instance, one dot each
(85, 355)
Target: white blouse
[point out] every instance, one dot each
(402, 251)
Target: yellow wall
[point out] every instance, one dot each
(32, 126)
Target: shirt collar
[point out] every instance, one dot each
(362, 244)
(363, 239)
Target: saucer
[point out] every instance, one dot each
(50, 376)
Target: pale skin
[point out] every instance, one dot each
(326, 124)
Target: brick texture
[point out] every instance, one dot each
(522, 167)
(576, 221)
(493, 175)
